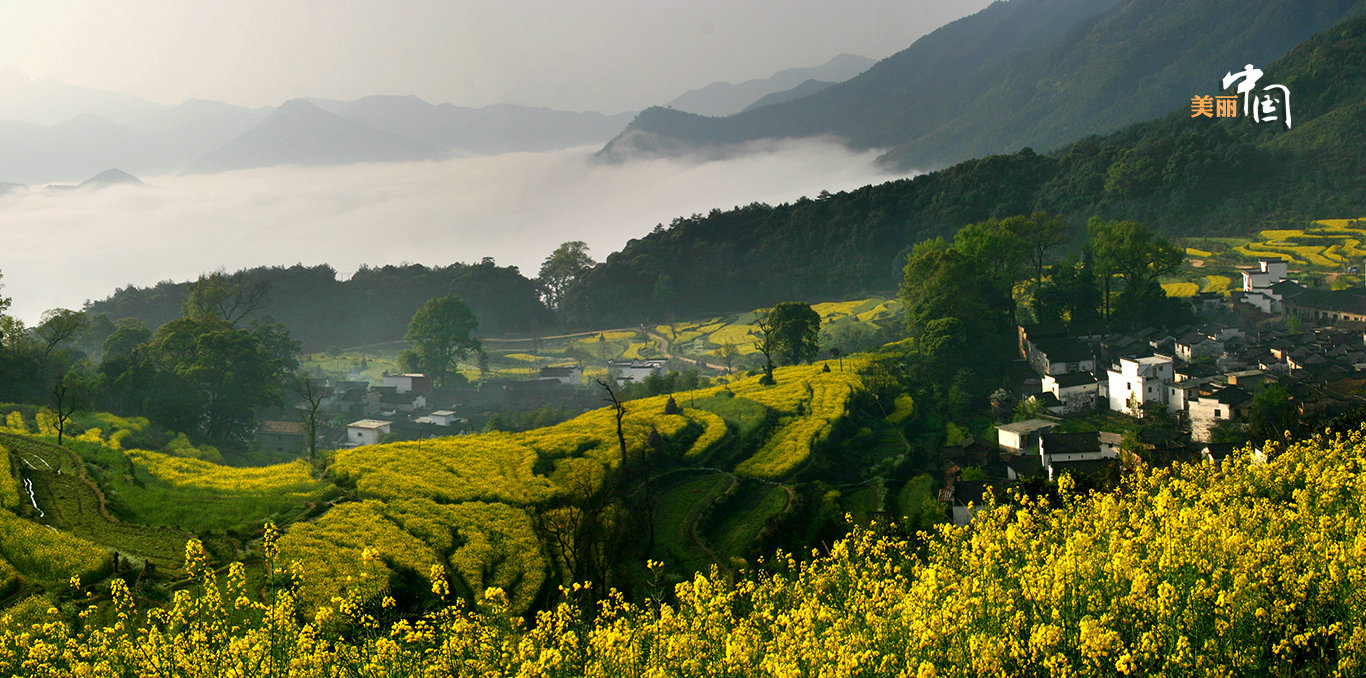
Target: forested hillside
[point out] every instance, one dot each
(1177, 174)
(374, 305)
(1021, 73)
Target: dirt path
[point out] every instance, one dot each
(697, 535)
(664, 351)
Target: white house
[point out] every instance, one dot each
(1182, 393)
(1022, 435)
(1267, 273)
(366, 432)
(1076, 391)
(570, 375)
(1257, 284)
(632, 371)
(1061, 355)
(442, 417)
(404, 383)
(1229, 403)
(1196, 345)
(1135, 382)
(1058, 448)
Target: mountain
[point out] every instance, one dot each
(301, 133)
(499, 128)
(79, 147)
(1019, 73)
(175, 137)
(724, 98)
(110, 177)
(1179, 174)
(45, 102)
(807, 88)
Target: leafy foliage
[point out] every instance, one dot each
(442, 332)
(322, 308)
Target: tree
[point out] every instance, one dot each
(1069, 296)
(227, 372)
(1137, 255)
(728, 352)
(1041, 233)
(1272, 414)
(58, 326)
(69, 394)
(4, 301)
(442, 333)
(128, 334)
(794, 328)
(313, 391)
(230, 297)
(559, 269)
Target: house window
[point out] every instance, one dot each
(1218, 413)
(357, 434)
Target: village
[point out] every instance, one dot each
(408, 406)
(1100, 402)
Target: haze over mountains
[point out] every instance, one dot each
(724, 98)
(1034, 73)
(52, 132)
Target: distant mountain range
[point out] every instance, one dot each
(109, 177)
(101, 129)
(1037, 73)
(109, 130)
(724, 98)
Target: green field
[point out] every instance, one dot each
(740, 520)
(714, 342)
(680, 503)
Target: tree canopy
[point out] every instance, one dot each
(561, 268)
(442, 332)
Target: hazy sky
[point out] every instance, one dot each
(607, 55)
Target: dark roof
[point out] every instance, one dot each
(1070, 443)
(1046, 398)
(566, 371)
(971, 491)
(1064, 349)
(1091, 467)
(1074, 379)
(353, 395)
(1037, 331)
(1024, 465)
(1351, 300)
(1232, 395)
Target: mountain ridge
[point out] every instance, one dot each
(726, 98)
(1018, 73)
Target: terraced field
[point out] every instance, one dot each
(681, 503)
(737, 524)
(67, 498)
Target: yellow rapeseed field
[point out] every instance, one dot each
(1252, 569)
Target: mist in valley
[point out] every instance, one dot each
(63, 247)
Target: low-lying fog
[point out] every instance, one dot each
(61, 248)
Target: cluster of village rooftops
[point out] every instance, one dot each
(1312, 342)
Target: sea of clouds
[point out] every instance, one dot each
(63, 247)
